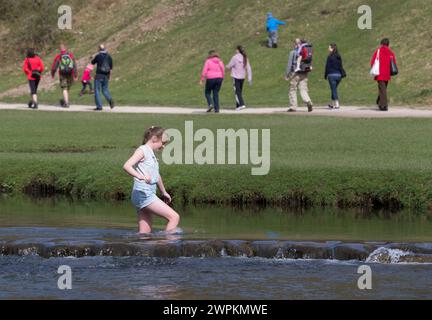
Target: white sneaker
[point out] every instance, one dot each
(240, 108)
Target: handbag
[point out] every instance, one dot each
(375, 71)
(34, 73)
(393, 68)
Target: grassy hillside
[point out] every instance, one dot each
(159, 47)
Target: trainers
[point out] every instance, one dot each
(240, 108)
(111, 103)
(30, 104)
(291, 110)
(209, 108)
(330, 106)
(97, 109)
(309, 106)
(35, 105)
(62, 102)
(65, 105)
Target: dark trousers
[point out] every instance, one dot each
(238, 89)
(33, 84)
(84, 86)
(382, 94)
(213, 86)
(334, 81)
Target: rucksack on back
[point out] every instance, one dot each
(66, 64)
(306, 63)
(105, 66)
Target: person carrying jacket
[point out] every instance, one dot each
(272, 30)
(213, 72)
(33, 68)
(68, 72)
(385, 57)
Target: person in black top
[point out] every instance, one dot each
(334, 72)
(103, 72)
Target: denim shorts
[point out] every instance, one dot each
(142, 198)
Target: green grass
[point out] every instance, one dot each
(314, 160)
(162, 66)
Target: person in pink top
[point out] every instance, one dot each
(239, 66)
(213, 72)
(86, 79)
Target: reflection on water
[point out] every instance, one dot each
(226, 222)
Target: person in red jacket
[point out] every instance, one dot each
(68, 73)
(33, 68)
(385, 55)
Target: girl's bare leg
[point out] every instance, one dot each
(165, 211)
(144, 221)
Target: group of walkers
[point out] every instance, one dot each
(66, 65)
(297, 71)
(299, 66)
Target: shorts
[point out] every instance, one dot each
(66, 81)
(33, 84)
(141, 199)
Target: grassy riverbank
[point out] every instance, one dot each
(315, 161)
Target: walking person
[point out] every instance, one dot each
(143, 166)
(104, 64)
(299, 79)
(68, 73)
(334, 72)
(213, 72)
(240, 66)
(386, 58)
(86, 80)
(272, 26)
(33, 68)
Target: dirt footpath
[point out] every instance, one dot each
(345, 111)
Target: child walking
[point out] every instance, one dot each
(86, 79)
(144, 168)
(239, 66)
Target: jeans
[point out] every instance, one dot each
(101, 82)
(272, 38)
(213, 85)
(238, 89)
(334, 80)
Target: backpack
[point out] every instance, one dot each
(105, 66)
(306, 64)
(66, 64)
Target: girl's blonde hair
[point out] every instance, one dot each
(153, 132)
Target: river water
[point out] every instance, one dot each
(224, 253)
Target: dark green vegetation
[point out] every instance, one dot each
(315, 161)
(159, 46)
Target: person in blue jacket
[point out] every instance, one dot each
(272, 29)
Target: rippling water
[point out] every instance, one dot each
(224, 254)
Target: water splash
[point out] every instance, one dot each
(386, 255)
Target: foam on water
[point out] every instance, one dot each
(387, 255)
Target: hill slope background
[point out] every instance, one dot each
(159, 47)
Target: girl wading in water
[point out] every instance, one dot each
(144, 168)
